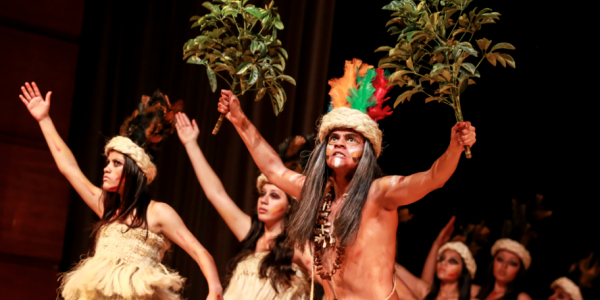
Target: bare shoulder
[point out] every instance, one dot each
(381, 187)
(160, 213)
(523, 296)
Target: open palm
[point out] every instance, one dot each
(186, 130)
(32, 98)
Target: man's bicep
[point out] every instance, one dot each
(403, 190)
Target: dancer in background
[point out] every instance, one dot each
(134, 231)
(347, 211)
(264, 268)
(447, 273)
(565, 289)
(506, 274)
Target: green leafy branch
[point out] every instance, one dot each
(238, 43)
(431, 55)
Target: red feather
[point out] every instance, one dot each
(379, 112)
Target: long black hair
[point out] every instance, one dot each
(464, 285)
(513, 289)
(134, 202)
(277, 265)
(347, 222)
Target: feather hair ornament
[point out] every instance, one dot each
(380, 83)
(152, 121)
(362, 88)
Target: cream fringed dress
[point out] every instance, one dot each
(246, 283)
(126, 265)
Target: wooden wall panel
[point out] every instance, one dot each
(39, 43)
(33, 209)
(51, 63)
(61, 18)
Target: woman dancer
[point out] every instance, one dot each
(565, 289)
(453, 266)
(506, 273)
(134, 231)
(264, 268)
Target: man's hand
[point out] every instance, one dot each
(463, 134)
(229, 105)
(32, 98)
(187, 132)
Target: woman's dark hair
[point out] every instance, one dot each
(464, 285)
(277, 265)
(134, 203)
(347, 222)
(513, 289)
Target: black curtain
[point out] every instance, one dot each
(129, 49)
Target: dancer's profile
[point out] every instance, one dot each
(134, 231)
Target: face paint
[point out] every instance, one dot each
(453, 275)
(278, 209)
(356, 155)
(337, 161)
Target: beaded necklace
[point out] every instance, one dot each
(323, 238)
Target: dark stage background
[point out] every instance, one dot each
(99, 57)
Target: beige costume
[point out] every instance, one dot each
(126, 265)
(246, 283)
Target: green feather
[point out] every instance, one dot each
(360, 98)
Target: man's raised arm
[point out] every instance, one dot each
(264, 156)
(395, 191)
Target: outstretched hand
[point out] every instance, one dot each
(229, 105)
(446, 233)
(463, 134)
(186, 130)
(32, 98)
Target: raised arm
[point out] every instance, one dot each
(395, 191)
(236, 219)
(417, 286)
(39, 109)
(263, 154)
(171, 225)
(428, 273)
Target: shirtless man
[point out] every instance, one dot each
(362, 219)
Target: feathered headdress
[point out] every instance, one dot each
(357, 102)
(144, 129)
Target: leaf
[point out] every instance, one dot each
(287, 78)
(403, 97)
(398, 75)
(212, 78)
(254, 11)
(194, 18)
(260, 94)
(208, 5)
(253, 75)
(383, 48)
(429, 99)
(243, 67)
(509, 59)
(491, 57)
(468, 48)
(409, 63)
(469, 67)
(500, 59)
(253, 46)
(278, 24)
(194, 60)
(438, 67)
(484, 44)
(283, 52)
(463, 86)
(503, 46)
(471, 81)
